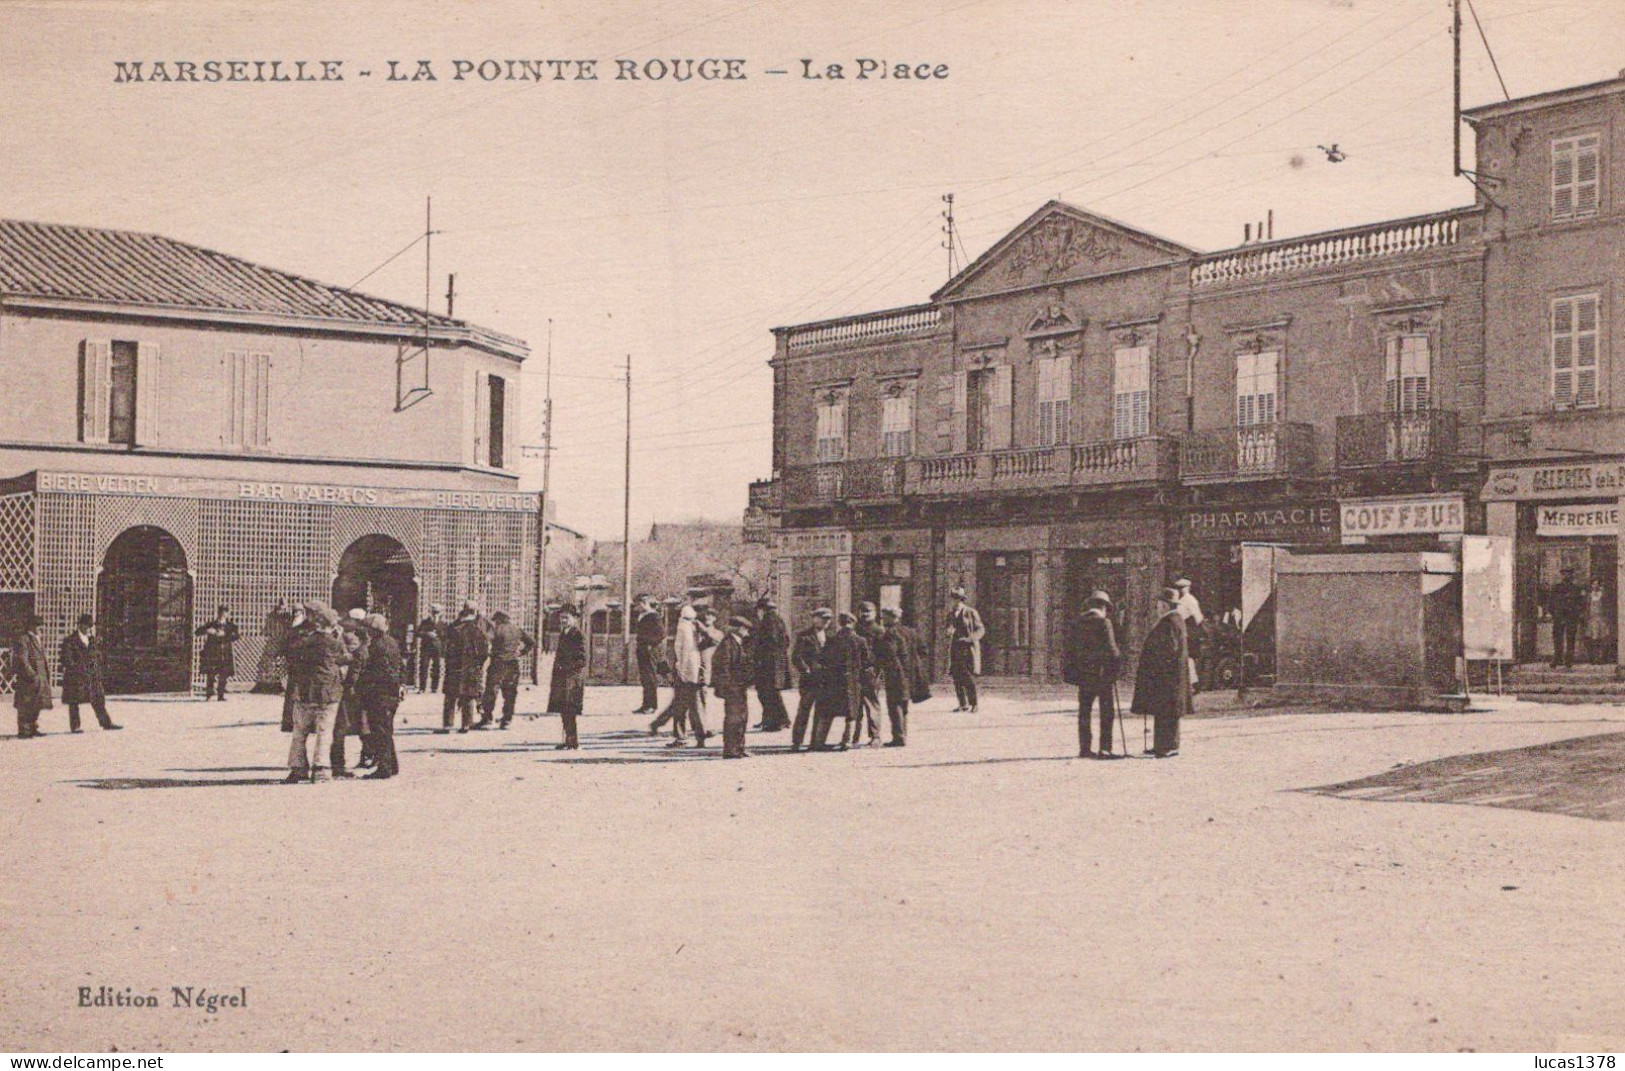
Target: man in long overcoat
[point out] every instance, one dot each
(1091, 661)
(429, 639)
(650, 635)
(378, 686)
(965, 633)
(31, 678)
(466, 648)
(807, 656)
(731, 674)
(269, 679)
(1162, 684)
(80, 659)
(215, 661)
(868, 630)
(897, 660)
(567, 691)
(770, 664)
(846, 658)
(316, 661)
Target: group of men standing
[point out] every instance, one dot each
(1164, 678)
(481, 660)
(80, 658)
(345, 677)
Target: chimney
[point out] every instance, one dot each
(1271, 225)
(1246, 233)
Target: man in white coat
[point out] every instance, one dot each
(689, 671)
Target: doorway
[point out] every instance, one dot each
(891, 585)
(376, 574)
(144, 613)
(1095, 570)
(1004, 586)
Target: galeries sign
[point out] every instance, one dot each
(1289, 522)
(1412, 515)
(1598, 479)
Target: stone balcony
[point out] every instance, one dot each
(1374, 440)
(1266, 261)
(1107, 463)
(1261, 452)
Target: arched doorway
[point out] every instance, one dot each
(376, 574)
(144, 613)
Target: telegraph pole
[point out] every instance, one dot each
(948, 229)
(1455, 44)
(541, 507)
(626, 525)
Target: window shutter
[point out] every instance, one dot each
(1002, 413)
(149, 394)
(1586, 174)
(1562, 179)
(95, 359)
(510, 406)
(1390, 374)
(960, 438)
(1563, 353)
(471, 416)
(944, 411)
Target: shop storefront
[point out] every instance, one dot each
(1213, 536)
(1563, 519)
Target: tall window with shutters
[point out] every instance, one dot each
(1408, 373)
(1257, 388)
(1054, 400)
(897, 424)
(248, 387)
(831, 427)
(118, 392)
(1576, 330)
(121, 388)
(1131, 392)
(1576, 176)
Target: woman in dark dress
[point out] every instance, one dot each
(1162, 684)
(216, 662)
(568, 691)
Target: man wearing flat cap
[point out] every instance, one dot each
(965, 632)
(807, 657)
(730, 677)
(1090, 661)
(31, 678)
(769, 652)
(1162, 684)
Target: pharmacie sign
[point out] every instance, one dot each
(1276, 522)
(1415, 515)
(1577, 520)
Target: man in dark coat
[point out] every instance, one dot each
(1567, 604)
(429, 640)
(731, 674)
(807, 657)
(868, 630)
(567, 692)
(316, 660)
(80, 659)
(965, 633)
(650, 634)
(769, 653)
(846, 658)
(215, 661)
(1162, 684)
(350, 719)
(1091, 661)
(509, 645)
(31, 678)
(273, 668)
(897, 661)
(378, 687)
(466, 648)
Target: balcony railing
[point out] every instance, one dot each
(869, 327)
(1094, 464)
(864, 480)
(1261, 451)
(764, 495)
(1373, 439)
(873, 479)
(813, 485)
(1115, 461)
(1264, 261)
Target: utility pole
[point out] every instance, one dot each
(949, 242)
(541, 508)
(451, 295)
(626, 527)
(1455, 45)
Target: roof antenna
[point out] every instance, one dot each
(949, 242)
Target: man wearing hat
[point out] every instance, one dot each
(80, 659)
(1191, 610)
(807, 657)
(378, 686)
(31, 678)
(429, 648)
(965, 632)
(567, 692)
(316, 661)
(1162, 684)
(897, 652)
(215, 661)
(730, 677)
(770, 664)
(1566, 602)
(509, 646)
(843, 667)
(466, 648)
(1091, 660)
(868, 630)
(650, 633)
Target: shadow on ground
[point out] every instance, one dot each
(1583, 777)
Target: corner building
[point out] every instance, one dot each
(1090, 405)
(184, 429)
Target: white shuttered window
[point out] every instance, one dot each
(248, 394)
(832, 429)
(1576, 176)
(1408, 374)
(1257, 388)
(1054, 400)
(1131, 392)
(897, 425)
(1575, 337)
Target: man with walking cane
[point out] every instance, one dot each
(1091, 661)
(1162, 684)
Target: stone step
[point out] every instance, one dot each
(1573, 688)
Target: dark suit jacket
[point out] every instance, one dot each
(1092, 656)
(81, 667)
(567, 691)
(1162, 683)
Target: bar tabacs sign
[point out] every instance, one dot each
(1416, 515)
(1578, 520)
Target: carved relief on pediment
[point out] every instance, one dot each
(1059, 244)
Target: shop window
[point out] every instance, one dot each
(496, 420)
(248, 386)
(1408, 374)
(832, 428)
(1575, 333)
(897, 425)
(1576, 176)
(1131, 393)
(1257, 388)
(1054, 400)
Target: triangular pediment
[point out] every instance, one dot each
(1056, 243)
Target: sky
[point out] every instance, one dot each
(679, 222)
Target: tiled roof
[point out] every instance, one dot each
(52, 260)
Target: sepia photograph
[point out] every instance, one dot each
(952, 526)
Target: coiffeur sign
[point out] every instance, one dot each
(1414, 515)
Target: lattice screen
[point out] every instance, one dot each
(17, 542)
(350, 523)
(490, 557)
(67, 564)
(252, 553)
